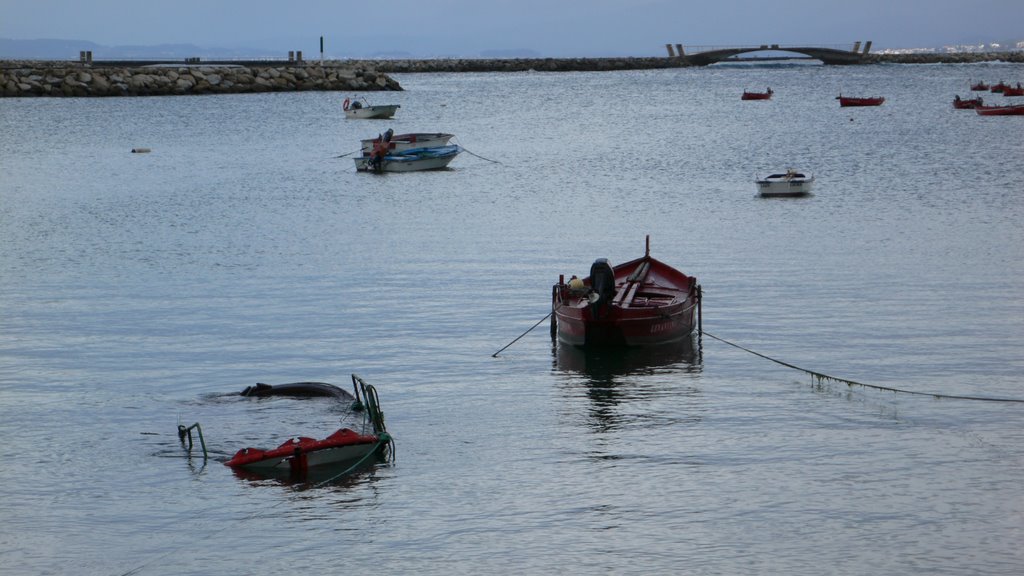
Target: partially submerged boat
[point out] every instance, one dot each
(404, 142)
(766, 95)
(788, 183)
(637, 303)
(1011, 110)
(362, 109)
(851, 101)
(296, 456)
(411, 160)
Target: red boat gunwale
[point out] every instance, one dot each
(651, 303)
(295, 451)
(1011, 110)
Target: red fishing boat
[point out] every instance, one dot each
(979, 87)
(998, 87)
(848, 101)
(965, 104)
(766, 95)
(1014, 90)
(640, 302)
(1013, 110)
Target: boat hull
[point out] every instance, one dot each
(367, 112)
(414, 160)
(580, 327)
(652, 303)
(846, 102)
(967, 104)
(756, 96)
(1015, 110)
(777, 186)
(299, 454)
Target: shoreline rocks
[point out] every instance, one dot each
(75, 79)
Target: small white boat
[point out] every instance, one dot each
(788, 183)
(412, 160)
(403, 142)
(361, 109)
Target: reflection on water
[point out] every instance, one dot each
(610, 378)
(604, 364)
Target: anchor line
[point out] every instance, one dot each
(348, 154)
(471, 153)
(823, 376)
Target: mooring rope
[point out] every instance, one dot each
(530, 329)
(471, 153)
(348, 154)
(822, 376)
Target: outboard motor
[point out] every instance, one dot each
(602, 281)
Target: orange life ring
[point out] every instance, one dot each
(344, 105)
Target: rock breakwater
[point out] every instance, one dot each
(53, 79)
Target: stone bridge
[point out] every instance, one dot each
(827, 55)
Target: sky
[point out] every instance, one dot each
(556, 28)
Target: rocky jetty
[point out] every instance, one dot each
(945, 58)
(121, 79)
(66, 79)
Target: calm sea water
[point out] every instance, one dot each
(137, 289)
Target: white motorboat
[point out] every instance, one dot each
(788, 183)
(412, 160)
(362, 109)
(403, 142)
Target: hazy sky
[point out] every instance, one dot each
(549, 27)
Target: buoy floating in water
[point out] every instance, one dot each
(140, 150)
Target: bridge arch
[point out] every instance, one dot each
(826, 55)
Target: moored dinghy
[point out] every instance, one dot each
(403, 142)
(788, 183)
(766, 95)
(852, 101)
(412, 160)
(637, 303)
(361, 109)
(966, 103)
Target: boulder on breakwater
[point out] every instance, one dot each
(67, 79)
